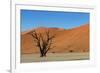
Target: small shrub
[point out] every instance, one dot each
(71, 51)
(53, 52)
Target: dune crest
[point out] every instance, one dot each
(71, 40)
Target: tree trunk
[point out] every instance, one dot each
(43, 54)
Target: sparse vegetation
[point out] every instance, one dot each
(53, 52)
(71, 51)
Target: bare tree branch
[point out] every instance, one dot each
(43, 42)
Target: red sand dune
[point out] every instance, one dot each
(71, 40)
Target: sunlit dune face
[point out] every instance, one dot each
(66, 40)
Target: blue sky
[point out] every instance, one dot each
(36, 18)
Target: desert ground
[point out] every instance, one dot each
(29, 58)
(70, 44)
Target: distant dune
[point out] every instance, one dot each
(70, 40)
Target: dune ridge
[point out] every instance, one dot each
(66, 40)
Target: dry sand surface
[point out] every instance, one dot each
(75, 39)
(28, 58)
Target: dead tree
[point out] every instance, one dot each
(43, 42)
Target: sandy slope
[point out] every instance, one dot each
(75, 40)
